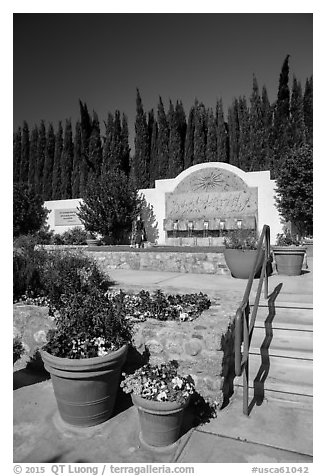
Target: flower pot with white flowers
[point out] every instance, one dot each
(161, 396)
(85, 355)
(288, 254)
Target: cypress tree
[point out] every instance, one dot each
(281, 117)
(200, 133)
(162, 141)
(109, 160)
(154, 165)
(182, 126)
(308, 110)
(175, 145)
(67, 162)
(41, 146)
(75, 178)
(189, 141)
(56, 181)
(267, 119)
(86, 130)
(24, 163)
(256, 130)
(211, 149)
(33, 157)
(234, 133)
(95, 149)
(244, 135)
(140, 163)
(221, 133)
(125, 149)
(48, 164)
(17, 152)
(297, 124)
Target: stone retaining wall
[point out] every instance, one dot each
(203, 263)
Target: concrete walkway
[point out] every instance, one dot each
(41, 436)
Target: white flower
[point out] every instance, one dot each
(183, 316)
(162, 396)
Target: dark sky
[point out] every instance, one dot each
(102, 59)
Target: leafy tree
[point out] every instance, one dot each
(140, 163)
(41, 147)
(67, 161)
(162, 141)
(75, 179)
(297, 124)
(48, 163)
(221, 131)
(33, 155)
(24, 163)
(57, 176)
(17, 152)
(295, 188)
(211, 148)
(29, 215)
(200, 133)
(110, 206)
(189, 141)
(308, 110)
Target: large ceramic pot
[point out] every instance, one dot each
(289, 259)
(160, 422)
(241, 262)
(86, 389)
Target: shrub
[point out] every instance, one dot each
(88, 325)
(18, 348)
(286, 240)
(75, 236)
(241, 239)
(65, 273)
(29, 215)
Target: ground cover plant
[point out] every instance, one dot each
(161, 306)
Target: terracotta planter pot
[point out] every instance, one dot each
(289, 259)
(160, 422)
(86, 389)
(241, 262)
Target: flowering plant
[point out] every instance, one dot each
(158, 305)
(161, 383)
(241, 240)
(88, 325)
(285, 239)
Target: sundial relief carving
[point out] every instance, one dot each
(211, 180)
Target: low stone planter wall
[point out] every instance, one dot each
(203, 348)
(203, 263)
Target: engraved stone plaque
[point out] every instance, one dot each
(66, 216)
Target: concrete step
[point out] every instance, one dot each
(282, 342)
(285, 318)
(275, 430)
(281, 375)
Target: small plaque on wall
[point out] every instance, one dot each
(66, 216)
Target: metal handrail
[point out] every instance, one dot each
(243, 327)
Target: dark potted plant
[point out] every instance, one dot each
(85, 354)
(160, 395)
(241, 252)
(288, 254)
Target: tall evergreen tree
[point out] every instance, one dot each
(281, 118)
(221, 138)
(56, 181)
(162, 141)
(17, 152)
(200, 134)
(189, 141)
(109, 158)
(48, 164)
(175, 144)
(24, 163)
(267, 118)
(125, 149)
(67, 162)
(244, 135)
(140, 163)
(297, 124)
(308, 110)
(256, 130)
(211, 149)
(154, 165)
(86, 130)
(75, 178)
(33, 157)
(41, 146)
(95, 149)
(182, 126)
(234, 133)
